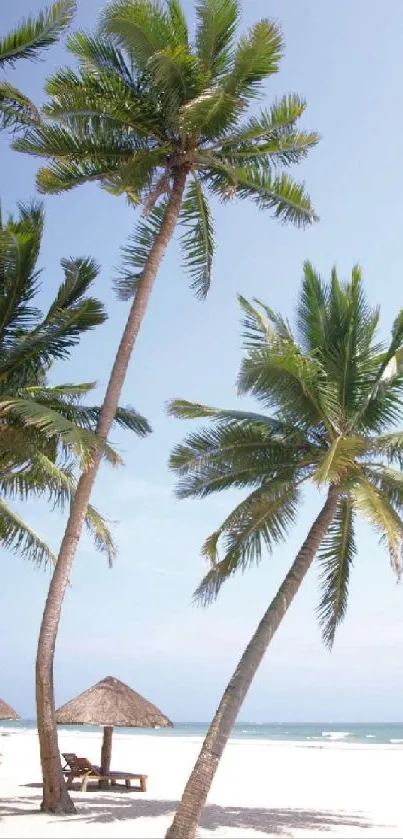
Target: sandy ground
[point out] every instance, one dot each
(261, 790)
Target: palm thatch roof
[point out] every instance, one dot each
(7, 712)
(111, 703)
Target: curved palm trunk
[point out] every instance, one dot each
(198, 786)
(55, 796)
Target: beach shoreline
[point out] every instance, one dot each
(262, 788)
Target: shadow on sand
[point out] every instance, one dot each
(117, 806)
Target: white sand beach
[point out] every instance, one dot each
(262, 789)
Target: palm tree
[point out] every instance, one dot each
(334, 394)
(47, 432)
(30, 38)
(153, 116)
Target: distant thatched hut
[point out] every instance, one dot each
(111, 703)
(7, 712)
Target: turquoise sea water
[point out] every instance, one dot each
(315, 733)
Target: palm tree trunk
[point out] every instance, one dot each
(55, 796)
(187, 816)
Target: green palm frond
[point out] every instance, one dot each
(52, 424)
(210, 114)
(379, 512)
(336, 557)
(262, 519)
(137, 252)
(15, 108)
(96, 55)
(269, 125)
(142, 29)
(33, 35)
(339, 459)
(178, 21)
(388, 481)
(182, 409)
(257, 56)
(17, 536)
(241, 450)
(281, 377)
(19, 249)
(99, 530)
(93, 97)
(217, 22)
(286, 199)
(198, 239)
(175, 73)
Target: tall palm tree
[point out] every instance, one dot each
(162, 120)
(47, 432)
(334, 396)
(30, 38)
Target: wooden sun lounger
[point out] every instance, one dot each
(80, 767)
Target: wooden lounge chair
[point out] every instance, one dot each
(80, 767)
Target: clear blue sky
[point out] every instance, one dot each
(136, 621)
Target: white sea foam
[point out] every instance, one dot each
(395, 740)
(335, 735)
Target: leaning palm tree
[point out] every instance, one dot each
(162, 120)
(334, 397)
(30, 38)
(47, 432)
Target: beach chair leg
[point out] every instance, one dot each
(143, 783)
(84, 783)
(70, 779)
(114, 783)
(128, 783)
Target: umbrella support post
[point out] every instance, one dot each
(106, 754)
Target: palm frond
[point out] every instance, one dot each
(52, 424)
(33, 35)
(241, 450)
(178, 21)
(281, 377)
(96, 55)
(339, 459)
(217, 22)
(257, 56)
(379, 512)
(260, 328)
(19, 248)
(287, 199)
(176, 74)
(93, 97)
(212, 113)
(198, 239)
(99, 530)
(262, 519)
(273, 124)
(16, 109)
(17, 536)
(141, 29)
(79, 275)
(182, 409)
(336, 557)
(137, 252)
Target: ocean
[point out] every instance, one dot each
(315, 733)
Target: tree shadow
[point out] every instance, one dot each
(108, 808)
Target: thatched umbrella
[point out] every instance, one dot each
(111, 703)
(7, 712)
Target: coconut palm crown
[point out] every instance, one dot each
(333, 395)
(28, 41)
(148, 102)
(47, 432)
